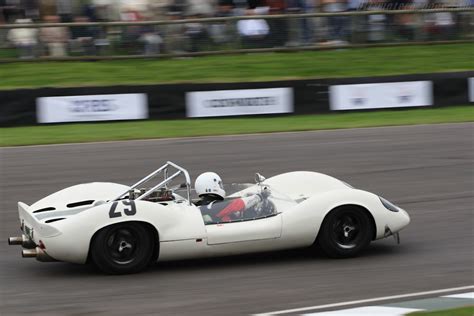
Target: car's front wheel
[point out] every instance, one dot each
(345, 232)
(122, 248)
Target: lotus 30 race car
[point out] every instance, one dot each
(122, 229)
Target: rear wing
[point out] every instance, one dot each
(31, 226)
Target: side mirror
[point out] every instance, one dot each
(259, 178)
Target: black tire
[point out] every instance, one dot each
(345, 232)
(123, 248)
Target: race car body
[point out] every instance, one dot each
(123, 228)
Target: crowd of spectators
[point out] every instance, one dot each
(197, 36)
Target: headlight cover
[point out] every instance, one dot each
(388, 205)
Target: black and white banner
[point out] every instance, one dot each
(471, 89)
(87, 108)
(239, 102)
(381, 95)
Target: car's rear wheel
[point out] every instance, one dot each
(345, 232)
(123, 248)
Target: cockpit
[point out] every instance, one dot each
(244, 201)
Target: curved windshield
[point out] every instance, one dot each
(230, 189)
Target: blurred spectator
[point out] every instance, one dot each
(88, 10)
(24, 39)
(440, 26)
(55, 38)
(202, 8)
(278, 27)
(254, 32)
(376, 23)
(221, 32)
(177, 7)
(10, 10)
(131, 34)
(405, 24)
(337, 25)
(175, 37)
(106, 10)
(47, 7)
(31, 9)
(307, 24)
(83, 37)
(64, 8)
(151, 40)
(197, 34)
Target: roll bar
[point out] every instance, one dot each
(163, 183)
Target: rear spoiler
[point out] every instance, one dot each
(31, 226)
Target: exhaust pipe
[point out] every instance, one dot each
(15, 241)
(24, 241)
(29, 253)
(37, 253)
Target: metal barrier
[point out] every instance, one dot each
(236, 34)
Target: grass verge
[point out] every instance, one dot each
(463, 311)
(249, 67)
(90, 132)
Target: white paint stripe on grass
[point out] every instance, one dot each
(462, 295)
(368, 311)
(370, 300)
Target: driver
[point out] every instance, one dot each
(210, 189)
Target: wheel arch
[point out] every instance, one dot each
(150, 227)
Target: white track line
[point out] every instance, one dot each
(461, 295)
(368, 311)
(370, 300)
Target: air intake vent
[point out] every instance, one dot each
(54, 220)
(44, 209)
(81, 203)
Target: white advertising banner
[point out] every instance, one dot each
(381, 95)
(87, 108)
(239, 102)
(471, 89)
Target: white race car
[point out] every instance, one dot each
(122, 229)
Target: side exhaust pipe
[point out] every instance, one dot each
(29, 253)
(37, 253)
(23, 241)
(15, 241)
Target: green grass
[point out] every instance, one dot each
(73, 133)
(463, 311)
(249, 67)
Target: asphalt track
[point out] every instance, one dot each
(428, 170)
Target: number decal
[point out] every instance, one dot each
(127, 211)
(132, 210)
(112, 212)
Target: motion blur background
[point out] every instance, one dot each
(154, 27)
(289, 65)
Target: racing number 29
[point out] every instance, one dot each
(127, 211)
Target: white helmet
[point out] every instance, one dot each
(209, 183)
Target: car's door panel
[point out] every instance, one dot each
(258, 229)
